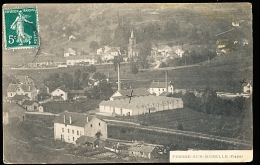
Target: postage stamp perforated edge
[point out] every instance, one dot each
(4, 28)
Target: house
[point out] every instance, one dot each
(107, 57)
(69, 52)
(61, 91)
(164, 49)
(24, 79)
(159, 87)
(22, 89)
(70, 126)
(12, 112)
(248, 88)
(92, 142)
(154, 50)
(178, 51)
(140, 105)
(114, 52)
(128, 92)
(221, 43)
(19, 99)
(234, 23)
(70, 61)
(41, 108)
(76, 94)
(148, 152)
(30, 105)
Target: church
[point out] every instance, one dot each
(133, 50)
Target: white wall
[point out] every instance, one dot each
(68, 137)
(59, 92)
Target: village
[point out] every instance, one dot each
(93, 116)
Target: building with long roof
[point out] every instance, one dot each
(140, 105)
(69, 126)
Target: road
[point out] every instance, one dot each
(179, 132)
(170, 68)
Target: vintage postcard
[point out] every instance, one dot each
(127, 83)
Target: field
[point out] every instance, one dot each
(195, 122)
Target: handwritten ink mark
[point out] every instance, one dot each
(130, 96)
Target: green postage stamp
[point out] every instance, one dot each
(21, 28)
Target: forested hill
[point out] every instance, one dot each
(155, 23)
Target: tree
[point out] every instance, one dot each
(93, 45)
(92, 69)
(171, 30)
(116, 61)
(67, 80)
(85, 79)
(77, 75)
(134, 69)
(99, 76)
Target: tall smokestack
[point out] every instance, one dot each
(64, 119)
(87, 118)
(70, 120)
(118, 72)
(166, 79)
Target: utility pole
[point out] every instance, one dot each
(118, 74)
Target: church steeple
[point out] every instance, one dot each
(132, 34)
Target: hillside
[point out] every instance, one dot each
(87, 22)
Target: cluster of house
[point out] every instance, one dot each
(164, 51)
(49, 64)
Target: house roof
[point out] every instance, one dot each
(158, 84)
(146, 149)
(78, 119)
(164, 47)
(136, 92)
(65, 89)
(138, 101)
(113, 50)
(29, 102)
(19, 97)
(86, 139)
(25, 87)
(9, 106)
(165, 94)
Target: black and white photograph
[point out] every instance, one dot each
(127, 83)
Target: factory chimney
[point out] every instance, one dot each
(70, 120)
(166, 80)
(118, 72)
(64, 119)
(87, 118)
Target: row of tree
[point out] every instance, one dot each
(79, 79)
(190, 58)
(211, 104)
